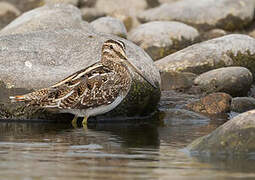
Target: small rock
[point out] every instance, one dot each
(8, 12)
(161, 38)
(176, 80)
(235, 81)
(214, 33)
(110, 25)
(235, 137)
(229, 50)
(91, 14)
(242, 104)
(206, 14)
(126, 11)
(215, 103)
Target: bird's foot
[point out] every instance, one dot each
(74, 121)
(84, 122)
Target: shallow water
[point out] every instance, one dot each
(139, 150)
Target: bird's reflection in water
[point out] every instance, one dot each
(128, 134)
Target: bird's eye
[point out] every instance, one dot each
(111, 47)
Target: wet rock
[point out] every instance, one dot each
(110, 25)
(232, 138)
(25, 5)
(8, 12)
(183, 117)
(176, 80)
(39, 58)
(215, 103)
(55, 16)
(229, 50)
(235, 81)
(206, 14)
(126, 11)
(91, 14)
(173, 99)
(161, 38)
(242, 104)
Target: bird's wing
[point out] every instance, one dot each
(68, 93)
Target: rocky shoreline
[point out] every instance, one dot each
(203, 50)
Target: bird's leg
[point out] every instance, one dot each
(84, 122)
(74, 121)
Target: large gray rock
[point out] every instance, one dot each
(161, 38)
(235, 81)
(39, 58)
(110, 25)
(8, 12)
(206, 14)
(232, 138)
(229, 50)
(54, 16)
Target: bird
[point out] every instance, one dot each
(94, 90)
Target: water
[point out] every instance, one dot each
(140, 150)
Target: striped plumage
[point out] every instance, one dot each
(94, 90)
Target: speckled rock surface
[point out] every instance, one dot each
(242, 104)
(110, 25)
(214, 103)
(235, 81)
(205, 14)
(235, 137)
(39, 58)
(161, 38)
(54, 16)
(8, 12)
(229, 50)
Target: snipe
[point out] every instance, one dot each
(94, 90)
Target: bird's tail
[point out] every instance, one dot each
(18, 98)
(33, 96)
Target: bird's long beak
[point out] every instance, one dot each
(138, 71)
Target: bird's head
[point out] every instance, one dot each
(115, 50)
